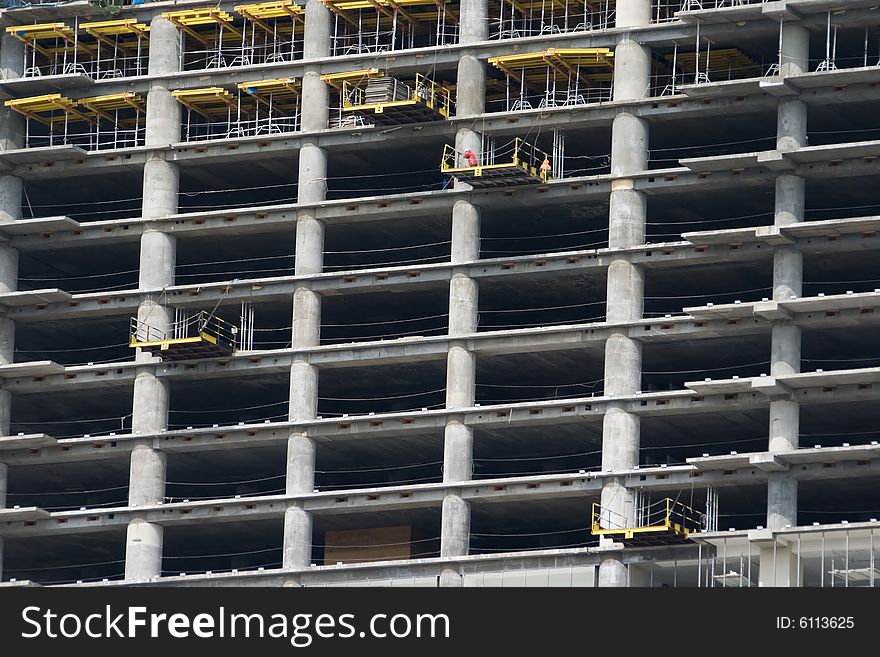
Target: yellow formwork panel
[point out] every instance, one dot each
(281, 85)
(116, 28)
(337, 80)
(527, 6)
(589, 64)
(188, 20)
(583, 57)
(270, 10)
(424, 10)
(109, 102)
(281, 94)
(35, 107)
(32, 33)
(211, 102)
(198, 16)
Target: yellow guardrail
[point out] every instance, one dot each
(666, 514)
(519, 153)
(432, 94)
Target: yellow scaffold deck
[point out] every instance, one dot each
(31, 34)
(263, 11)
(193, 21)
(587, 63)
(411, 11)
(338, 80)
(387, 101)
(667, 522)
(120, 30)
(521, 164)
(211, 102)
(203, 336)
(48, 109)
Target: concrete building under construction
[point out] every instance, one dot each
(439, 293)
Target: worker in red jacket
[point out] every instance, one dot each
(470, 157)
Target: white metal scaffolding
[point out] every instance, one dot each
(383, 25)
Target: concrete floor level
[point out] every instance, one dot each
(649, 363)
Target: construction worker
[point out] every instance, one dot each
(470, 157)
(545, 167)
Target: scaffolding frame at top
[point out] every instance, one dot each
(382, 25)
(262, 107)
(112, 121)
(557, 77)
(121, 48)
(272, 31)
(99, 50)
(50, 49)
(256, 33)
(513, 19)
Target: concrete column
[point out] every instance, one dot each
(143, 550)
(785, 350)
(612, 572)
(311, 188)
(625, 292)
(158, 255)
(458, 438)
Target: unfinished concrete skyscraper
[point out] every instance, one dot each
(439, 293)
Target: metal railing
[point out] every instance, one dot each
(666, 513)
(426, 90)
(202, 324)
(518, 152)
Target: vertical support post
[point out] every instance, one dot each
(778, 563)
(143, 550)
(311, 189)
(785, 355)
(625, 292)
(463, 302)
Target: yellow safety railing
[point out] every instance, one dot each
(200, 326)
(519, 153)
(433, 94)
(667, 514)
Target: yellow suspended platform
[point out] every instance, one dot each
(668, 523)
(523, 164)
(200, 336)
(388, 101)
